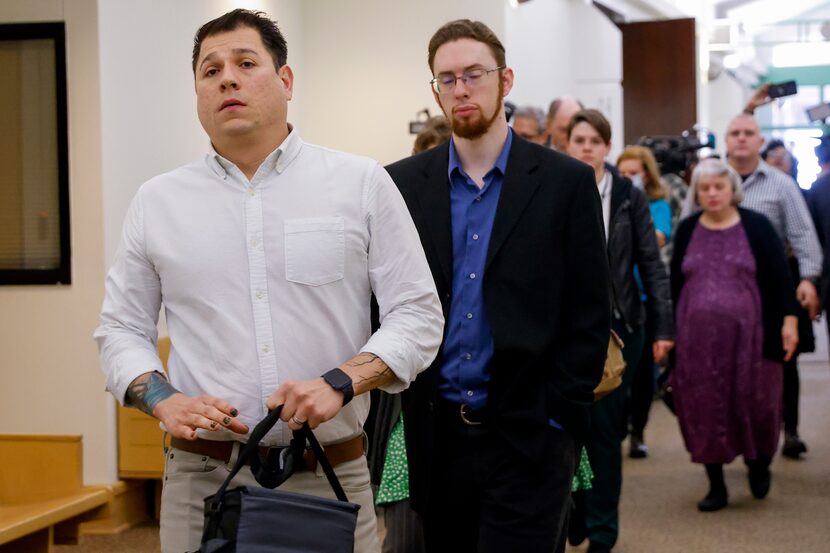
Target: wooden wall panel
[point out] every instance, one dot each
(659, 77)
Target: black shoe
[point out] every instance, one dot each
(597, 547)
(638, 448)
(715, 500)
(760, 479)
(793, 446)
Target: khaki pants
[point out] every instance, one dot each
(189, 478)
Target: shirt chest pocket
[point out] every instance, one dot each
(314, 250)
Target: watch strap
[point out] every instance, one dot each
(340, 381)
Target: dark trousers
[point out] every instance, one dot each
(806, 343)
(792, 389)
(608, 430)
(643, 383)
(404, 529)
(486, 497)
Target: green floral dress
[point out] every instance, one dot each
(394, 479)
(584, 474)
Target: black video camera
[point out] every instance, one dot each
(675, 154)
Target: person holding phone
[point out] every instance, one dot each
(768, 92)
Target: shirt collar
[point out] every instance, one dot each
(763, 169)
(277, 160)
(501, 161)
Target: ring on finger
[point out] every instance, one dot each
(297, 421)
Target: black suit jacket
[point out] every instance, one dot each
(546, 295)
(818, 200)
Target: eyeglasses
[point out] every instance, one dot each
(445, 82)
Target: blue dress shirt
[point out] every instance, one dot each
(468, 346)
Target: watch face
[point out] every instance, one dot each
(338, 379)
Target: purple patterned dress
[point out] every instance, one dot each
(728, 397)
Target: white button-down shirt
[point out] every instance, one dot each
(269, 280)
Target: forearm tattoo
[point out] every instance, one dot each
(146, 391)
(380, 372)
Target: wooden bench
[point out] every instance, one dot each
(42, 497)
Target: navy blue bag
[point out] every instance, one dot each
(267, 520)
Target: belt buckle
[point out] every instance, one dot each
(462, 413)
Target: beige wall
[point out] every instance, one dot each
(51, 382)
(365, 69)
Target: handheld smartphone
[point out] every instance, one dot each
(779, 90)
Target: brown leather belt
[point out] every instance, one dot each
(221, 450)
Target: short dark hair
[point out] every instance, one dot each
(259, 21)
(773, 144)
(594, 118)
(464, 28)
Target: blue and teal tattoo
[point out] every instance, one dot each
(146, 391)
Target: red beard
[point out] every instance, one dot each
(477, 127)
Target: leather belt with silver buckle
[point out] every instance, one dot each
(221, 450)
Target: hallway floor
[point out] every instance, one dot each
(658, 513)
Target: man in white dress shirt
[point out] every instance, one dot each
(265, 254)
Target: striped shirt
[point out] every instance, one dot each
(775, 195)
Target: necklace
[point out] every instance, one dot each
(605, 186)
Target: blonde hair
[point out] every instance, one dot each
(714, 167)
(655, 190)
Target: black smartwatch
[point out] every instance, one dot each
(341, 382)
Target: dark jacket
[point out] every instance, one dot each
(545, 294)
(632, 241)
(772, 273)
(818, 200)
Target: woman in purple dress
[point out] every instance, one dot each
(736, 323)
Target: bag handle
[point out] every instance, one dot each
(250, 450)
(324, 462)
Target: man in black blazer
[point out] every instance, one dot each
(513, 234)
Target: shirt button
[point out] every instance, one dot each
(468, 356)
(472, 275)
(259, 294)
(254, 242)
(265, 349)
(469, 393)
(478, 198)
(475, 236)
(251, 191)
(469, 315)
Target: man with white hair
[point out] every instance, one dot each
(529, 123)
